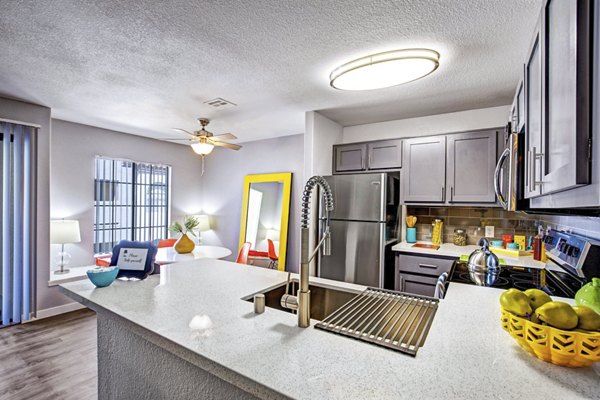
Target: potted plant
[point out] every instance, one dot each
(184, 244)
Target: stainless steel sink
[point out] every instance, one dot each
(324, 300)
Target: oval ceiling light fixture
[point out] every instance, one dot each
(386, 69)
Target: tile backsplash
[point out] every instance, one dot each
(475, 219)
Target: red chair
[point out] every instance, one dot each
(272, 255)
(242, 257)
(166, 243)
(103, 261)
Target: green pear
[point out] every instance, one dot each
(516, 302)
(558, 314)
(537, 298)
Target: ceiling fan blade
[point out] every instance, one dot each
(184, 131)
(225, 136)
(227, 145)
(176, 139)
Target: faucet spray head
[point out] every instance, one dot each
(327, 243)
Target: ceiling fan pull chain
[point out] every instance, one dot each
(202, 174)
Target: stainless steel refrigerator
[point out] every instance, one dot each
(364, 221)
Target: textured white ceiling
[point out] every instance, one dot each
(145, 66)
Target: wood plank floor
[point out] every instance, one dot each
(54, 358)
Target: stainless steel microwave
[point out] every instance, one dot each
(508, 176)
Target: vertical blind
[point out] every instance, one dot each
(17, 221)
(131, 202)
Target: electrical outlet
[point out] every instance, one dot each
(489, 231)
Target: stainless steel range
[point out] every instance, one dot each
(573, 260)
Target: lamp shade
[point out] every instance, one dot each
(204, 223)
(64, 231)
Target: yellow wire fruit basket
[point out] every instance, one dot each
(565, 348)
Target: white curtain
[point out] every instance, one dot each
(17, 222)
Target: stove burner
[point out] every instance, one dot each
(524, 285)
(522, 276)
(522, 279)
(500, 282)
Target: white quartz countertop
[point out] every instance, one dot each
(466, 355)
(452, 250)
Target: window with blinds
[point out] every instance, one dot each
(131, 201)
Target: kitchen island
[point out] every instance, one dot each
(146, 348)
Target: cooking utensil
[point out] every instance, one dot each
(411, 221)
(483, 265)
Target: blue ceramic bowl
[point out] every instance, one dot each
(102, 277)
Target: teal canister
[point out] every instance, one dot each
(411, 235)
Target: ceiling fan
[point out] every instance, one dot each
(203, 142)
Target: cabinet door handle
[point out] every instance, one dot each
(443, 194)
(534, 158)
(428, 266)
(451, 193)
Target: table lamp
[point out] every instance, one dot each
(203, 225)
(64, 232)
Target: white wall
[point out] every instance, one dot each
(429, 125)
(222, 186)
(74, 147)
(320, 135)
(39, 115)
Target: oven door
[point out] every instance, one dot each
(505, 176)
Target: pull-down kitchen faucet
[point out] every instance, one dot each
(302, 301)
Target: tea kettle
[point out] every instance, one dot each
(483, 265)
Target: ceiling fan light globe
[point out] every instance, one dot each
(202, 148)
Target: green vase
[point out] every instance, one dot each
(184, 244)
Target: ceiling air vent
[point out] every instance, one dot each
(220, 103)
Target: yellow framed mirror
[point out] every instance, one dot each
(265, 218)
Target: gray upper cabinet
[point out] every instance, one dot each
(424, 172)
(385, 154)
(471, 160)
(533, 118)
(566, 127)
(372, 156)
(350, 157)
(517, 109)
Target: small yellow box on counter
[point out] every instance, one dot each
(511, 252)
(521, 241)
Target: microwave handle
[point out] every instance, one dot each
(497, 173)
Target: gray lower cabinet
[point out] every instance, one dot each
(372, 156)
(471, 160)
(424, 172)
(350, 157)
(419, 274)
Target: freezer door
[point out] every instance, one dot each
(356, 253)
(358, 197)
